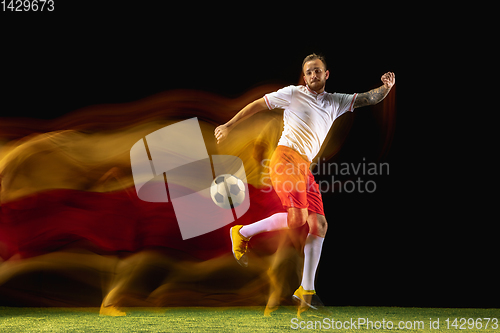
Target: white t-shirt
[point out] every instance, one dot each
(308, 116)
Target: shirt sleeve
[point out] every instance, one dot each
(345, 103)
(279, 99)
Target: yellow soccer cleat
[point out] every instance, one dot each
(240, 245)
(306, 299)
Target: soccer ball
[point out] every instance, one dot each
(227, 190)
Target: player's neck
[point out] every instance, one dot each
(320, 91)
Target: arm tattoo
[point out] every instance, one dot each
(371, 97)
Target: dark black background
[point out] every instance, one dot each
(419, 240)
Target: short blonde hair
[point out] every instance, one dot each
(314, 56)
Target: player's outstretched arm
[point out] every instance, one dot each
(222, 131)
(376, 95)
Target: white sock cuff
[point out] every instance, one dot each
(314, 238)
(274, 222)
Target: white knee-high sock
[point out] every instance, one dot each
(312, 253)
(274, 222)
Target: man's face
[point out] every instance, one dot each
(315, 75)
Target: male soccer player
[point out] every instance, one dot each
(309, 112)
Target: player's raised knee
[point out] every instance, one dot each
(296, 217)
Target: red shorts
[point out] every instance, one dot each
(293, 182)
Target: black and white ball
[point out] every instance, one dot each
(227, 190)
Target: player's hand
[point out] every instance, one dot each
(221, 133)
(389, 79)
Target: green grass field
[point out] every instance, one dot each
(248, 319)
